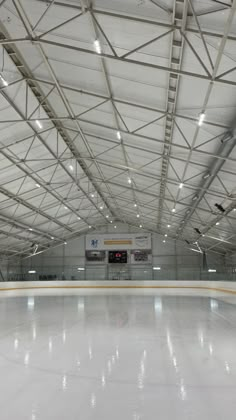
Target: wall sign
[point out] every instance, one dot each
(118, 242)
(95, 255)
(141, 256)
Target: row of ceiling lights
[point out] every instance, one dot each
(201, 119)
(135, 205)
(200, 122)
(99, 50)
(38, 123)
(71, 168)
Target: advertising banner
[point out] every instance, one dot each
(120, 241)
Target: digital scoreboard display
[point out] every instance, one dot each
(117, 257)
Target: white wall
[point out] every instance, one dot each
(3, 269)
(174, 258)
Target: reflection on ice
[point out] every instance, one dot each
(118, 356)
(30, 303)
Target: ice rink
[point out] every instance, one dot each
(117, 354)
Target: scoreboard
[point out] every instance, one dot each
(117, 257)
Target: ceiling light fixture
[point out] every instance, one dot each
(92, 195)
(39, 124)
(206, 175)
(156, 268)
(166, 235)
(140, 226)
(32, 271)
(71, 167)
(52, 237)
(217, 223)
(138, 215)
(212, 270)
(37, 185)
(66, 208)
(118, 135)
(90, 227)
(101, 207)
(115, 227)
(4, 82)
(30, 229)
(65, 243)
(164, 241)
(201, 118)
(195, 198)
(107, 216)
(135, 205)
(81, 268)
(173, 210)
(168, 226)
(78, 218)
(129, 181)
(97, 46)
(181, 185)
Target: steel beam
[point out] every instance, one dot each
(96, 28)
(144, 64)
(224, 151)
(175, 61)
(39, 41)
(35, 179)
(130, 103)
(25, 227)
(34, 209)
(135, 18)
(150, 194)
(66, 139)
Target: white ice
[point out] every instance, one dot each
(117, 356)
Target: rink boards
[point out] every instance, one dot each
(127, 287)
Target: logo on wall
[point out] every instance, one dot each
(142, 241)
(94, 243)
